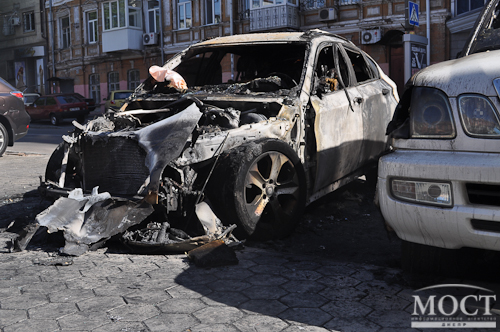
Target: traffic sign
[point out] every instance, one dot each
(413, 14)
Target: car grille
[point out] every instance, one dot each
(115, 165)
(484, 194)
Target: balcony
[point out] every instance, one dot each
(274, 17)
(124, 39)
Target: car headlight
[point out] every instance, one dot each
(478, 116)
(431, 114)
(426, 192)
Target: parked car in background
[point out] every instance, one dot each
(14, 121)
(29, 98)
(304, 114)
(58, 107)
(116, 99)
(89, 101)
(440, 187)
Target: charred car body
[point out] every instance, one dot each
(301, 115)
(439, 188)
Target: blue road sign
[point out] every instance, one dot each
(413, 14)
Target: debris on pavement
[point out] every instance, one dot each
(213, 254)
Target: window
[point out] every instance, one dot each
(92, 27)
(153, 16)
(51, 101)
(65, 32)
(29, 21)
(133, 79)
(213, 11)
(40, 101)
(184, 13)
(121, 13)
(362, 71)
(95, 88)
(113, 81)
(464, 6)
(267, 3)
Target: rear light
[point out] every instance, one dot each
(478, 116)
(17, 94)
(112, 102)
(435, 193)
(431, 114)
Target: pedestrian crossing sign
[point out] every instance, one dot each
(413, 13)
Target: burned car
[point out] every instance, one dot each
(439, 188)
(262, 125)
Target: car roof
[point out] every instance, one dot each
(278, 37)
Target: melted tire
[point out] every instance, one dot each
(261, 187)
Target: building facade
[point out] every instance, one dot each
(23, 44)
(96, 46)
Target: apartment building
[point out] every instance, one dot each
(97, 46)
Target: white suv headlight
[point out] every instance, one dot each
(430, 114)
(479, 117)
(435, 193)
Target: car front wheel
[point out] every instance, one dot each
(54, 120)
(4, 139)
(261, 187)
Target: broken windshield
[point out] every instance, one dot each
(212, 65)
(488, 34)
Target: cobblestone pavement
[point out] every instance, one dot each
(266, 291)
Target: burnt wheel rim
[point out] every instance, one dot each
(2, 140)
(272, 189)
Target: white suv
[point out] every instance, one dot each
(441, 185)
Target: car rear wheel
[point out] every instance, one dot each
(261, 187)
(4, 139)
(54, 120)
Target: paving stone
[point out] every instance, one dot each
(86, 283)
(363, 275)
(19, 281)
(233, 272)
(302, 265)
(121, 326)
(71, 295)
(33, 325)
(128, 279)
(193, 292)
(60, 276)
(385, 302)
(181, 306)
(342, 294)
(164, 274)
(301, 275)
(303, 300)
(102, 271)
(265, 307)
(347, 309)
(269, 269)
(8, 292)
(193, 279)
(300, 328)
(52, 311)
(214, 328)
(228, 285)
(84, 321)
(245, 263)
(260, 324)
(115, 290)
(393, 318)
(8, 317)
(352, 325)
(336, 270)
(133, 312)
(150, 295)
(311, 316)
(43, 287)
(264, 292)
(24, 301)
(270, 259)
(266, 280)
(100, 303)
(171, 322)
(379, 286)
(218, 315)
(302, 286)
(339, 281)
(225, 298)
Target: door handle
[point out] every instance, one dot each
(358, 100)
(385, 91)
